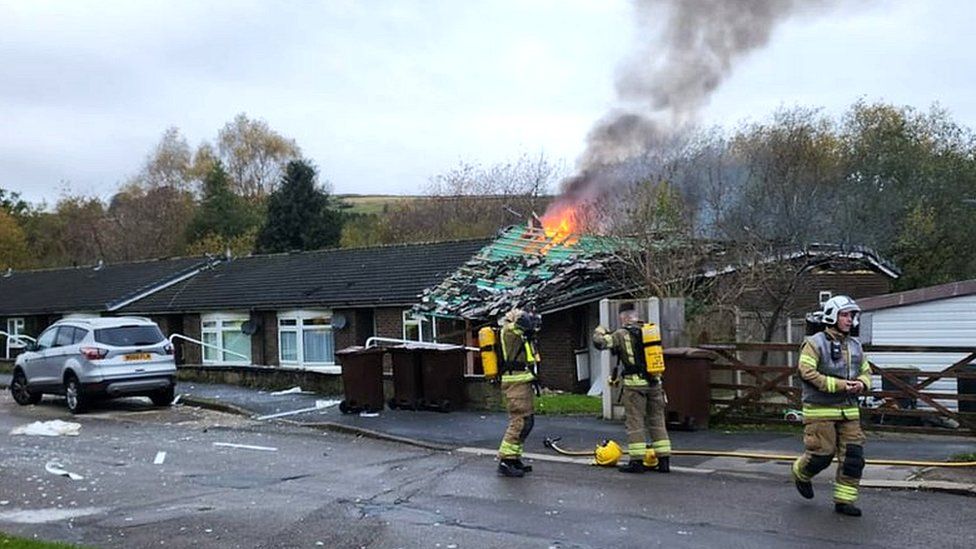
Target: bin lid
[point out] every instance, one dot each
(358, 350)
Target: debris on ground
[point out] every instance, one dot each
(56, 468)
(53, 428)
(245, 446)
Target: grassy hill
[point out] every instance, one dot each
(372, 203)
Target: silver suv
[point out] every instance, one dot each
(96, 358)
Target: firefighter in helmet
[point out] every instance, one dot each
(520, 360)
(833, 370)
(642, 395)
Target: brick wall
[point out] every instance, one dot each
(190, 353)
(556, 345)
(389, 322)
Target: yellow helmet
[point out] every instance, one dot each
(650, 458)
(607, 453)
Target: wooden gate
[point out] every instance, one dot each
(741, 391)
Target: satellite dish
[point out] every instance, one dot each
(250, 328)
(338, 321)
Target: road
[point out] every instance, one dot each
(324, 489)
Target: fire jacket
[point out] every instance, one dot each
(827, 360)
(519, 355)
(624, 345)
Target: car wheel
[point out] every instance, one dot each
(75, 396)
(18, 388)
(163, 397)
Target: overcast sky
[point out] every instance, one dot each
(382, 95)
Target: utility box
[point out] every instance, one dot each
(686, 383)
(362, 379)
(407, 380)
(442, 372)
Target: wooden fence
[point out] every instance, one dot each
(741, 391)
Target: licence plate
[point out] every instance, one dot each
(138, 356)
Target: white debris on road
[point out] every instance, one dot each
(160, 458)
(56, 468)
(292, 391)
(319, 405)
(245, 446)
(53, 428)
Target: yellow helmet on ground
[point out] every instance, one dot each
(650, 458)
(607, 453)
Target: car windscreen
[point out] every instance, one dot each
(127, 336)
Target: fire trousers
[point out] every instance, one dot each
(823, 439)
(644, 420)
(518, 396)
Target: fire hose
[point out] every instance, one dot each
(551, 443)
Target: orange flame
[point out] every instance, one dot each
(559, 224)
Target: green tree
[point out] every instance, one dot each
(222, 214)
(301, 216)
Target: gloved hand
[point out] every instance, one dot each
(600, 338)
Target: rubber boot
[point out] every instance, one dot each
(848, 509)
(805, 488)
(508, 468)
(633, 466)
(663, 464)
(525, 468)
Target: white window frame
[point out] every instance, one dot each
(824, 296)
(299, 328)
(15, 327)
(418, 321)
(220, 319)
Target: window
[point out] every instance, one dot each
(66, 336)
(225, 343)
(825, 296)
(418, 328)
(15, 327)
(46, 341)
(128, 336)
(305, 338)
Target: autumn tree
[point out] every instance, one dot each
(468, 201)
(301, 215)
(254, 155)
(13, 243)
(146, 223)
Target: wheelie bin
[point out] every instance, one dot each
(686, 384)
(407, 382)
(442, 372)
(362, 379)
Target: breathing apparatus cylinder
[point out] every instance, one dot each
(489, 358)
(653, 352)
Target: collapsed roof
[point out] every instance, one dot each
(526, 267)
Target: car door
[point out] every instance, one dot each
(38, 364)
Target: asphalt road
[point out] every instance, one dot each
(327, 489)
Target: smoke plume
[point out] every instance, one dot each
(689, 49)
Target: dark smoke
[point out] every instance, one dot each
(690, 49)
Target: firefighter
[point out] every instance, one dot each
(833, 371)
(520, 360)
(642, 395)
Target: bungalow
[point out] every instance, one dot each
(32, 300)
(565, 276)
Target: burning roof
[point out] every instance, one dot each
(542, 264)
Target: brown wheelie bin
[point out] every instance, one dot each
(686, 383)
(407, 383)
(362, 379)
(442, 372)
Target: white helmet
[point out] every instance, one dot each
(838, 304)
